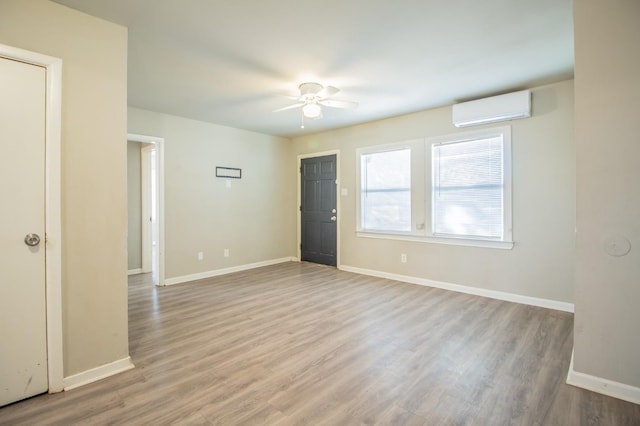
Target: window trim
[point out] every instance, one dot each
(504, 245)
(507, 214)
(421, 229)
(398, 146)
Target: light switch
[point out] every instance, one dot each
(343, 191)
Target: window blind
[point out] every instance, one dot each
(386, 191)
(468, 189)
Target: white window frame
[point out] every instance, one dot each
(377, 150)
(421, 190)
(503, 132)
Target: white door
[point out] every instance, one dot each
(23, 340)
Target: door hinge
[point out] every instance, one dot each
(300, 208)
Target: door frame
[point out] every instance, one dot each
(53, 212)
(146, 192)
(301, 157)
(159, 144)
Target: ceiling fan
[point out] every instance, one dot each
(313, 96)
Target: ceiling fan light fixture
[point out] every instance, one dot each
(313, 98)
(312, 110)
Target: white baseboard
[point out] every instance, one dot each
(224, 271)
(493, 294)
(606, 387)
(134, 271)
(97, 373)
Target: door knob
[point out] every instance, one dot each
(32, 240)
(333, 218)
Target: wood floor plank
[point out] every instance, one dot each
(300, 343)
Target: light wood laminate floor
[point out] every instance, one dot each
(299, 343)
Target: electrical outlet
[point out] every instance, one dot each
(403, 258)
(226, 252)
(200, 255)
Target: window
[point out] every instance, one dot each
(468, 188)
(385, 190)
(454, 189)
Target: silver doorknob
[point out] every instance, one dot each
(333, 218)
(32, 240)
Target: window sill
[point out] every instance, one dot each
(502, 245)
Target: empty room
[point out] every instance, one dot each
(294, 212)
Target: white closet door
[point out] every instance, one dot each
(23, 340)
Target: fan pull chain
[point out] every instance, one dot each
(301, 119)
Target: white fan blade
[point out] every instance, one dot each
(327, 92)
(334, 103)
(298, 105)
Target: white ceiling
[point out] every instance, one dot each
(230, 62)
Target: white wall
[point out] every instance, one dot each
(607, 120)
(134, 204)
(541, 263)
(254, 218)
(94, 212)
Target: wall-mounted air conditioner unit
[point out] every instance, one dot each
(496, 108)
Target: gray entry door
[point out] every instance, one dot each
(318, 210)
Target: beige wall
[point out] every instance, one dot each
(541, 263)
(94, 216)
(254, 218)
(134, 197)
(607, 122)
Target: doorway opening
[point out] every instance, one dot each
(146, 206)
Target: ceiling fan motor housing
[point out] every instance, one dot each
(309, 89)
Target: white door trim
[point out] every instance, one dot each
(301, 157)
(145, 192)
(159, 143)
(53, 221)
